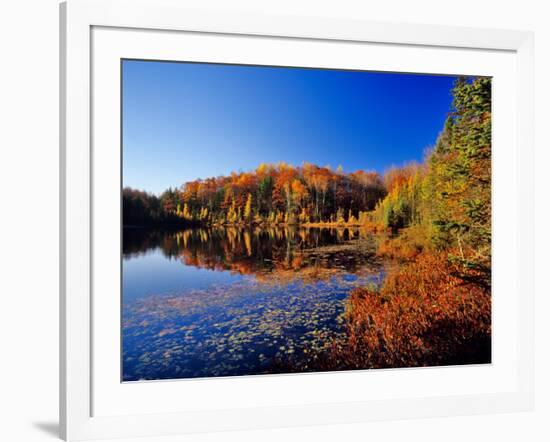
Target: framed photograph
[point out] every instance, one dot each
(282, 221)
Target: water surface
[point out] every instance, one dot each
(236, 301)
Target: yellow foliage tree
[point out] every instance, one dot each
(248, 208)
(186, 214)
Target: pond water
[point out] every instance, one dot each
(236, 301)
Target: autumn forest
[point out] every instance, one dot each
(409, 249)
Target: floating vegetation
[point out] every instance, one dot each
(231, 330)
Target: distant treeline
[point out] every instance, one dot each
(142, 209)
(272, 194)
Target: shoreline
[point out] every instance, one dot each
(328, 225)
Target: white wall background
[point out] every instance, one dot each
(29, 220)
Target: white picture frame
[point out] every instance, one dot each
(83, 413)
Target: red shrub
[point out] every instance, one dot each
(423, 315)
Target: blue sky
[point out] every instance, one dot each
(183, 121)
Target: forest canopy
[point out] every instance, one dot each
(271, 194)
